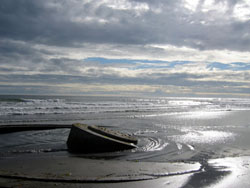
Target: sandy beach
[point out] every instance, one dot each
(185, 143)
(73, 171)
(125, 93)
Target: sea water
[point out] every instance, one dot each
(168, 129)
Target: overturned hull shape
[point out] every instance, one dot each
(93, 139)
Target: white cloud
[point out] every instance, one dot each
(127, 5)
(48, 41)
(212, 5)
(191, 4)
(242, 11)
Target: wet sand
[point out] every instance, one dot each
(219, 157)
(74, 171)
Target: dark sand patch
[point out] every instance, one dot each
(75, 170)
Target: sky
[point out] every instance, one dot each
(187, 48)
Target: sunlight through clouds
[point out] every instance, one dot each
(242, 11)
(191, 4)
(173, 48)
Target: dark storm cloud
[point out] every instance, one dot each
(28, 89)
(24, 58)
(45, 43)
(71, 23)
(184, 79)
(16, 49)
(35, 21)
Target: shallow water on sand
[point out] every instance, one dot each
(211, 132)
(168, 129)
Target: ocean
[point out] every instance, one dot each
(168, 129)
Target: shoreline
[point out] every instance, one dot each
(72, 171)
(224, 162)
(10, 128)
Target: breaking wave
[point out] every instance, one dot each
(150, 107)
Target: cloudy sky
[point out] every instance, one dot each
(125, 47)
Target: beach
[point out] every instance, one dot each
(182, 142)
(51, 171)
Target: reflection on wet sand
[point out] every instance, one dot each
(198, 133)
